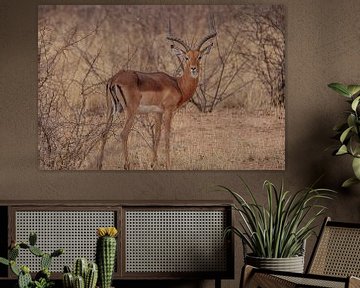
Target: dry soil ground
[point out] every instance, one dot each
(227, 139)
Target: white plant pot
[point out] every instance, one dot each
(291, 264)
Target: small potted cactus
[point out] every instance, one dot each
(106, 254)
(85, 275)
(42, 278)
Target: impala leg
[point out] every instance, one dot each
(167, 123)
(158, 122)
(125, 136)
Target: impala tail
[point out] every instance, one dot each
(117, 97)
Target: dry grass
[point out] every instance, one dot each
(227, 139)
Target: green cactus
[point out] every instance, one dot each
(24, 280)
(13, 253)
(14, 268)
(67, 269)
(87, 272)
(36, 251)
(79, 282)
(57, 252)
(42, 278)
(24, 245)
(91, 276)
(80, 267)
(68, 280)
(105, 258)
(45, 261)
(32, 238)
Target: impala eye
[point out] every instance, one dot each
(187, 58)
(199, 57)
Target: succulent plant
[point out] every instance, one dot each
(42, 278)
(85, 275)
(106, 254)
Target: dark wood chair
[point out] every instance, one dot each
(334, 263)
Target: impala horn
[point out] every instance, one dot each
(212, 32)
(171, 37)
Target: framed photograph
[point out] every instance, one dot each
(161, 87)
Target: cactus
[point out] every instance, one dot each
(32, 238)
(88, 273)
(80, 267)
(79, 282)
(106, 254)
(91, 276)
(13, 253)
(24, 278)
(68, 280)
(14, 268)
(36, 251)
(45, 261)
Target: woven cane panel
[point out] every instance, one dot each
(308, 282)
(175, 241)
(338, 253)
(74, 231)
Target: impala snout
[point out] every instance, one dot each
(194, 71)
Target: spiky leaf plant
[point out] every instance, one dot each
(348, 132)
(279, 229)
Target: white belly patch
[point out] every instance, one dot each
(149, 109)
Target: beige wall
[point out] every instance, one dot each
(323, 46)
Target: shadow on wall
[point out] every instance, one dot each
(316, 162)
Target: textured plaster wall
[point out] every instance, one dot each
(323, 46)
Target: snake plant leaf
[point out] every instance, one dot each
(353, 89)
(355, 103)
(345, 134)
(351, 181)
(342, 150)
(341, 89)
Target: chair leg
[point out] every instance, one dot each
(246, 274)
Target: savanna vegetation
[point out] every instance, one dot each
(235, 120)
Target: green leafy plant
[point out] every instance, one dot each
(348, 132)
(42, 278)
(279, 229)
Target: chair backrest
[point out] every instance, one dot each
(337, 251)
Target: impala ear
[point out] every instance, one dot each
(207, 49)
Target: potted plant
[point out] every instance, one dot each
(42, 278)
(348, 132)
(276, 233)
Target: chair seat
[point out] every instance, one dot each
(268, 279)
(315, 282)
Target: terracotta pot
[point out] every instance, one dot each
(291, 264)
